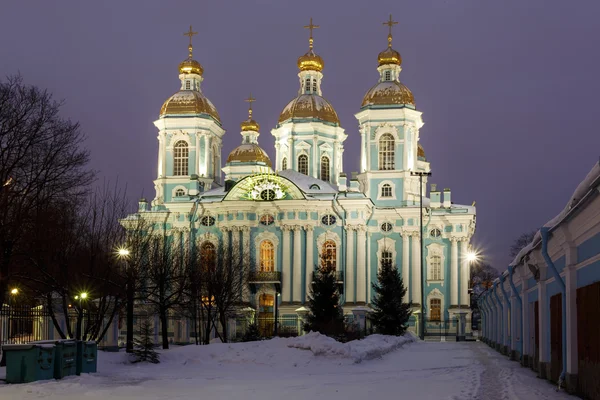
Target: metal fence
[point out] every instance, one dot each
(23, 324)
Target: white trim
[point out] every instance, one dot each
(386, 128)
(389, 244)
(380, 186)
(435, 249)
(175, 189)
(176, 137)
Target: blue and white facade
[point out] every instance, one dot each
(290, 212)
(545, 309)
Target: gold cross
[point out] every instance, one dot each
(390, 23)
(250, 100)
(310, 27)
(190, 33)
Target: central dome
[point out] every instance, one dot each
(388, 93)
(310, 62)
(249, 152)
(189, 102)
(309, 106)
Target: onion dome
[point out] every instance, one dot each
(189, 103)
(420, 151)
(250, 125)
(309, 106)
(389, 56)
(249, 153)
(388, 93)
(190, 66)
(310, 62)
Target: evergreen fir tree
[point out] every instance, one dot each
(144, 345)
(390, 316)
(252, 333)
(325, 314)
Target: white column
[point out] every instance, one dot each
(292, 164)
(297, 281)
(286, 293)
(310, 262)
(405, 266)
(235, 244)
(161, 155)
(206, 156)
(198, 169)
(416, 275)
(369, 268)
(361, 270)
(464, 273)
(316, 171)
(246, 245)
(349, 278)
(453, 272)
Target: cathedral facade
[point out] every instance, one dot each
(299, 209)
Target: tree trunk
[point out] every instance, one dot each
(224, 327)
(164, 328)
(130, 298)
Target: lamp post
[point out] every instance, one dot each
(123, 254)
(470, 257)
(13, 294)
(275, 329)
(421, 175)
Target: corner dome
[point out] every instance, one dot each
(249, 152)
(388, 93)
(309, 106)
(189, 103)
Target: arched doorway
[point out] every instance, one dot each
(266, 304)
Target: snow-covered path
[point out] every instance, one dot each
(272, 370)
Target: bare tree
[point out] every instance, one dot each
(41, 160)
(521, 242)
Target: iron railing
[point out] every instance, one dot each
(265, 277)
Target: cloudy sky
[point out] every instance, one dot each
(508, 89)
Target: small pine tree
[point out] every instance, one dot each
(252, 333)
(390, 316)
(325, 314)
(144, 345)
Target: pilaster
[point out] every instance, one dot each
(309, 259)
(405, 264)
(453, 272)
(349, 278)
(361, 270)
(297, 269)
(416, 270)
(286, 293)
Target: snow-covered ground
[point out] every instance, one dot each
(309, 367)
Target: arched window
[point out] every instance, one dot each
(325, 168)
(435, 268)
(208, 256)
(179, 193)
(284, 164)
(267, 256)
(180, 158)
(329, 255)
(303, 164)
(386, 152)
(436, 310)
(386, 190)
(388, 75)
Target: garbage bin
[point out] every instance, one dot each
(87, 357)
(65, 362)
(29, 362)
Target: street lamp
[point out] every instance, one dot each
(470, 257)
(13, 293)
(276, 332)
(123, 254)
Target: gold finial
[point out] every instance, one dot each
(250, 100)
(190, 33)
(390, 23)
(310, 27)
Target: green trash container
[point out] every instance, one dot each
(87, 357)
(29, 362)
(65, 362)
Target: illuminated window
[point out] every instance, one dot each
(386, 190)
(436, 310)
(303, 164)
(267, 256)
(284, 164)
(324, 168)
(329, 255)
(435, 268)
(386, 258)
(386, 152)
(179, 193)
(388, 76)
(267, 219)
(208, 256)
(180, 158)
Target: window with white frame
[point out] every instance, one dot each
(386, 258)
(329, 255)
(314, 86)
(435, 268)
(325, 168)
(388, 75)
(180, 158)
(188, 85)
(435, 312)
(386, 190)
(303, 164)
(267, 256)
(386, 152)
(284, 164)
(307, 87)
(179, 193)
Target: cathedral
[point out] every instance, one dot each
(300, 208)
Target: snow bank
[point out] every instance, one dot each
(372, 346)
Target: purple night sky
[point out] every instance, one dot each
(508, 89)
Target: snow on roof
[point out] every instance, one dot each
(591, 180)
(305, 182)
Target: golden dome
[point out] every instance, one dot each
(309, 106)
(189, 102)
(420, 151)
(190, 66)
(249, 152)
(310, 62)
(389, 56)
(388, 93)
(250, 125)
